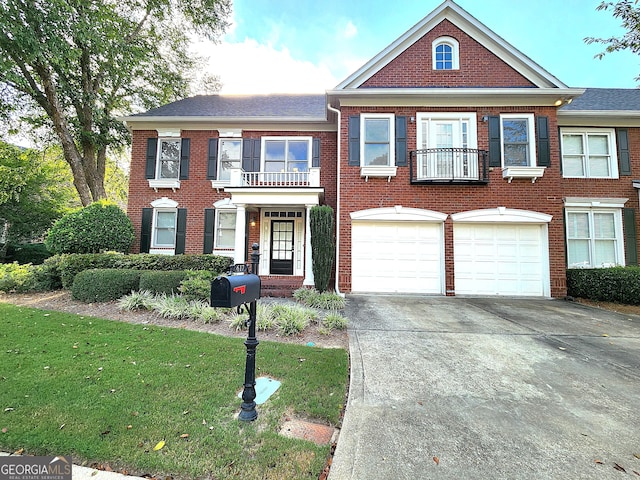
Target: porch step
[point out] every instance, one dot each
(279, 286)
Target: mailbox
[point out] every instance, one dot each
(235, 290)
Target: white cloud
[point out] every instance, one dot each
(250, 67)
(350, 30)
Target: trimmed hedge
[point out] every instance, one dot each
(158, 281)
(616, 284)
(104, 284)
(71, 265)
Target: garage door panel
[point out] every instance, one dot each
(396, 257)
(493, 259)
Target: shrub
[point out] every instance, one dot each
(71, 265)
(265, 318)
(323, 245)
(171, 306)
(291, 319)
(104, 285)
(197, 285)
(16, 278)
(140, 300)
(34, 253)
(199, 310)
(98, 227)
(162, 281)
(325, 300)
(616, 284)
(334, 320)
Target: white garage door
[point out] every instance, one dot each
(500, 259)
(396, 257)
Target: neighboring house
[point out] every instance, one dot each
(456, 165)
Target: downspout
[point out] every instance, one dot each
(337, 288)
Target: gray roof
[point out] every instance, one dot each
(620, 99)
(244, 106)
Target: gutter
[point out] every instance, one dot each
(337, 288)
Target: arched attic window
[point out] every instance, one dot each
(445, 52)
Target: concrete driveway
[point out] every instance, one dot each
(489, 388)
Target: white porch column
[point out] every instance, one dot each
(308, 265)
(240, 247)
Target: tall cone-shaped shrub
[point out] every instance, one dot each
(323, 245)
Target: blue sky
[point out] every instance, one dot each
(312, 45)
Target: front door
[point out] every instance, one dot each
(281, 247)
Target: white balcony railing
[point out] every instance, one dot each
(240, 178)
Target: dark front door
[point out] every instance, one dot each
(281, 247)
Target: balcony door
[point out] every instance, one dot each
(282, 247)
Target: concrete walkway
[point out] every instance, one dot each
(466, 388)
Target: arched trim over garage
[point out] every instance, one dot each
(501, 251)
(501, 214)
(397, 250)
(399, 214)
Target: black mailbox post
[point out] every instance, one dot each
(236, 291)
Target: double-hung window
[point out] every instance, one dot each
(225, 229)
(594, 237)
(229, 157)
(287, 154)
(376, 140)
(164, 230)
(518, 140)
(168, 165)
(589, 153)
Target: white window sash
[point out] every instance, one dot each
(598, 251)
(390, 143)
(587, 166)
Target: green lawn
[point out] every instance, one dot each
(108, 391)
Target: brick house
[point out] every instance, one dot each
(455, 164)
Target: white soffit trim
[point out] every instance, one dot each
(595, 202)
(501, 215)
(399, 214)
(164, 202)
(449, 10)
(604, 118)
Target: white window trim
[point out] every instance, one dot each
(224, 205)
(613, 150)
(163, 248)
(531, 132)
(617, 219)
(157, 182)
(455, 52)
(263, 150)
(217, 182)
(379, 170)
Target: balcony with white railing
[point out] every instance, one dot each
(296, 179)
(449, 166)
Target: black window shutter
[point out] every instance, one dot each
(315, 152)
(401, 141)
(251, 154)
(181, 230)
(212, 159)
(630, 236)
(624, 157)
(542, 137)
(495, 146)
(354, 141)
(209, 221)
(145, 231)
(152, 151)
(560, 148)
(184, 158)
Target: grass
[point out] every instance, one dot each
(107, 391)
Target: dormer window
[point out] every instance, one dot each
(445, 54)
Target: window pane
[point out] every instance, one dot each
(603, 224)
(572, 145)
(229, 155)
(514, 130)
(578, 225)
(516, 155)
(298, 150)
(599, 166)
(598, 145)
(166, 220)
(573, 166)
(605, 253)
(579, 253)
(274, 150)
(226, 239)
(226, 230)
(376, 130)
(165, 237)
(170, 149)
(376, 154)
(169, 169)
(227, 220)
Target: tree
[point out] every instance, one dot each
(75, 65)
(323, 245)
(34, 193)
(629, 13)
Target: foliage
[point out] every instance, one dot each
(201, 311)
(137, 300)
(292, 319)
(74, 67)
(33, 194)
(616, 284)
(35, 253)
(323, 300)
(323, 245)
(15, 277)
(171, 306)
(159, 281)
(629, 13)
(71, 265)
(197, 285)
(99, 227)
(104, 285)
(334, 320)
(65, 369)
